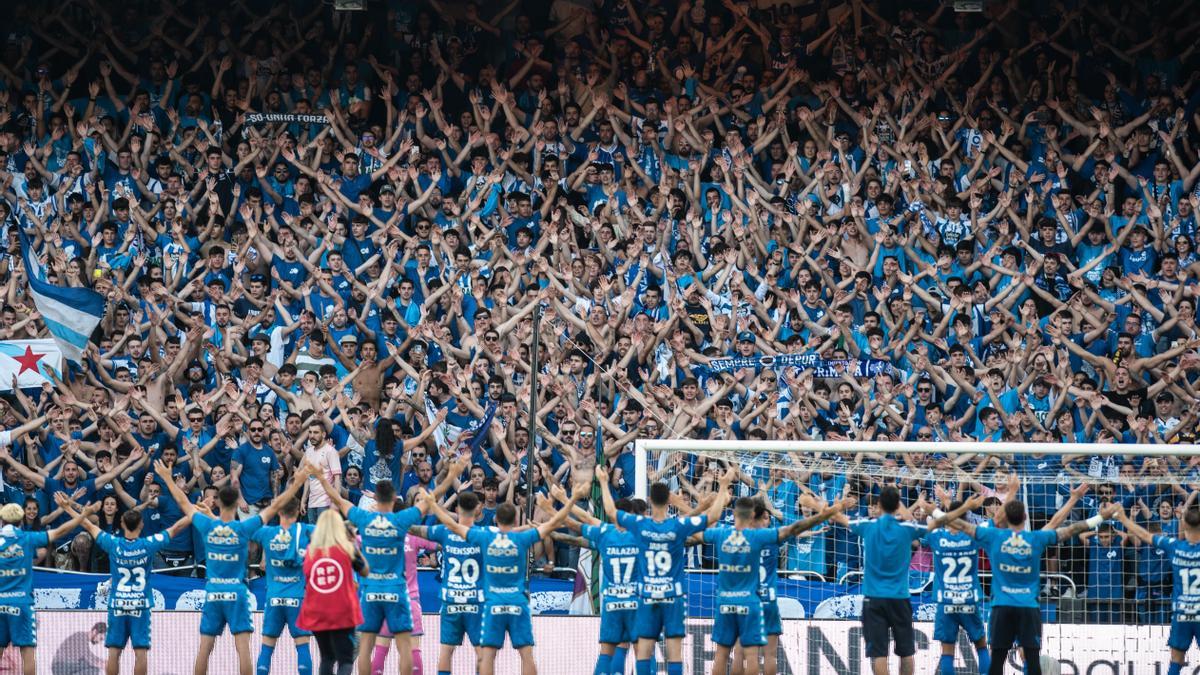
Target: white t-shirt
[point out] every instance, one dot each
(326, 459)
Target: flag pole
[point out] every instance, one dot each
(534, 370)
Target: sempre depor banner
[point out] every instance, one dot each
(72, 643)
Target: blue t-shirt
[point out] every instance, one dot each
(739, 557)
(383, 546)
(283, 554)
(1185, 566)
(1016, 563)
(505, 558)
(1106, 571)
(887, 552)
(130, 561)
(955, 567)
(619, 553)
(662, 545)
(17, 550)
(257, 465)
(462, 567)
(226, 546)
(377, 467)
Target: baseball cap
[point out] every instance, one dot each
(745, 336)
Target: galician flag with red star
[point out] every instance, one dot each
(30, 361)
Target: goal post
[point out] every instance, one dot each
(1103, 578)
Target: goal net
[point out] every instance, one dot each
(1102, 583)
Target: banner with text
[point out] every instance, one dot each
(73, 642)
(809, 361)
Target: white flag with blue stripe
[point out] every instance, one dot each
(71, 314)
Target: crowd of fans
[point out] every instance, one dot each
(328, 234)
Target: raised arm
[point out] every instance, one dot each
(1081, 526)
(298, 481)
(444, 516)
(335, 496)
(577, 493)
(1131, 526)
(181, 499)
(714, 510)
(969, 505)
(65, 528)
(809, 523)
(610, 507)
(64, 503)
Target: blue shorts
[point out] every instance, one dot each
(459, 620)
(739, 622)
(282, 612)
(225, 608)
(501, 619)
(772, 622)
(618, 621)
(18, 626)
(950, 618)
(660, 617)
(380, 606)
(128, 626)
(1183, 634)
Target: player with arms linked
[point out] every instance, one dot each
(1185, 565)
(957, 593)
(739, 576)
(887, 551)
(1016, 556)
(18, 625)
(505, 553)
(661, 541)
(462, 572)
(226, 551)
(283, 548)
(619, 553)
(130, 597)
(384, 590)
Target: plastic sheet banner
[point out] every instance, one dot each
(72, 643)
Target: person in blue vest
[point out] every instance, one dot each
(887, 551)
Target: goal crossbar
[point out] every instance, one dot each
(642, 448)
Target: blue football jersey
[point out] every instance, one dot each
(662, 545)
(226, 548)
(768, 578)
(1016, 563)
(1185, 567)
(283, 557)
(618, 551)
(887, 552)
(17, 550)
(462, 567)
(739, 559)
(955, 567)
(383, 546)
(505, 559)
(130, 563)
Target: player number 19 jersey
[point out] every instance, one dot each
(662, 545)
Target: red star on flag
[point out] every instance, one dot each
(28, 360)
